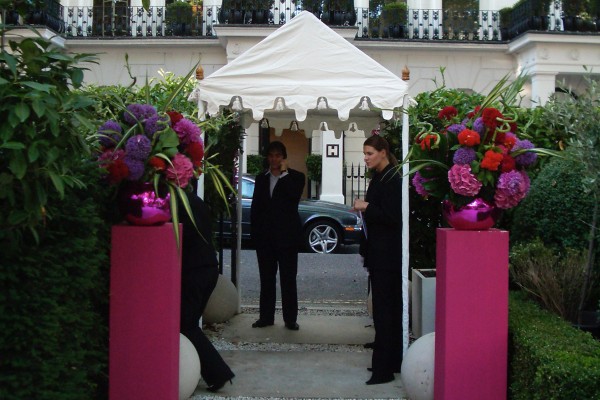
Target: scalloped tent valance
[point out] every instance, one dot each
(304, 71)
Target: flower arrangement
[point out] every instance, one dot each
(475, 155)
(145, 146)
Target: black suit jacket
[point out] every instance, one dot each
(197, 247)
(382, 249)
(275, 219)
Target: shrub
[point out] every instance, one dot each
(549, 359)
(54, 303)
(255, 164)
(551, 278)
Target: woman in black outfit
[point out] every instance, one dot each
(199, 276)
(382, 252)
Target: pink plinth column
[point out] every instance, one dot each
(471, 338)
(145, 290)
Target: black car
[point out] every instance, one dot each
(326, 225)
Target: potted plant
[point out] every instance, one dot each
(179, 17)
(261, 10)
(394, 17)
(572, 10)
(506, 22)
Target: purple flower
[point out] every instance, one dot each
(154, 124)
(462, 181)
(511, 188)
(110, 133)
(456, 128)
(464, 155)
(187, 131)
(138, 147)
(528, 158)
(138, 112)
(417, 182)
(136, 168)
(479, 126)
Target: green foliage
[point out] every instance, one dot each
(54, 301)
(313, 167)
(556, 209)
(255, 164)
(41, 119)
(549, 359)
(179, 12)
(553, 279)
(395, 13)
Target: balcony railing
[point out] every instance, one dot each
(418, 24)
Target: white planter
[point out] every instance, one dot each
(423, 302)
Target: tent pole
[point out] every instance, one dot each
(405, 218)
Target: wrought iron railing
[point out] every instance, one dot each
(418, 24)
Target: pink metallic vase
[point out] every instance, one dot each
(477, 215)
(140, 205)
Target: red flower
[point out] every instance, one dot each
(426, 142)
(474, 112)
(117, 171)
(491, 160)
(508, 163)
(448, 113)
(513, 127)
(468, 137)
(489, 116)
(157, 163)
(175, 117)
(196, 152)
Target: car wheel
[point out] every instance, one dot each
(322, 237)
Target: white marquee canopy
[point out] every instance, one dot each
(305, 71)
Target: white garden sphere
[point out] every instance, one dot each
(418, 367)
(223, 302)
(189, 368)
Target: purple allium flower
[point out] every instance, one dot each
(417, 182)
(138, 112)
(138, 147)
(136, 168)
(456, 128)
(187, 131)
(479, 126)
(528, 158)
(110, 133)
(464, 155)
(181, 171)
(511, 188)
(462, 181)
(155, 123)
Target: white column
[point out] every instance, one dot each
(332, 149)
(543, 85)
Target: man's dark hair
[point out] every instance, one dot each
(278, 147)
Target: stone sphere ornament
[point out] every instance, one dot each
(189, 368)
(417, 368)
(223, 302)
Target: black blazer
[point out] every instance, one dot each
(197, 248)
(275, 219)
(382, 248)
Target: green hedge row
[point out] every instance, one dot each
(54, 303)
(548, 358)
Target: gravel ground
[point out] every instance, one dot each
(213, 332)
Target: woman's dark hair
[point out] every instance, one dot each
(278, 147)
(380, 143)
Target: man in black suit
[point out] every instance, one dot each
(276, 231)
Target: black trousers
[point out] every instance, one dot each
(386, 288)
(196, 287)
(270, 259)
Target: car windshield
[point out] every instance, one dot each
(247, 189)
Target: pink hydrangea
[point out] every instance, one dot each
(187, 131)
(512, 187)
(462, 181)
(417, 182)
(181, 171)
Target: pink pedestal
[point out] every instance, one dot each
(471, 339)
(145, 290)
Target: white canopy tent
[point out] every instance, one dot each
(304, 71)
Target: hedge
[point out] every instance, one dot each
(548, 358)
